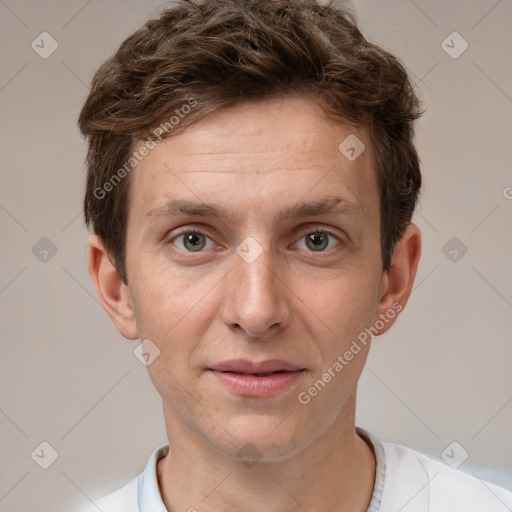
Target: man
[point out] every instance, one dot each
(251, 182)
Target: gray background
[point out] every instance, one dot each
(442, 374)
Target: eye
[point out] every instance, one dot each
(318, 240)
(193, 241)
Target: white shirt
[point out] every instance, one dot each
(405, 481)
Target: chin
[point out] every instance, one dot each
(263, 438)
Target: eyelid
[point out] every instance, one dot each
(320, 228)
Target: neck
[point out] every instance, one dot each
(334, 472)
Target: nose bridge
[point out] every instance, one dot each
(254, 300)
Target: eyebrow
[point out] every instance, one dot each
(330, 204)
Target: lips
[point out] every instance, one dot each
(262, 368)
(252, 379)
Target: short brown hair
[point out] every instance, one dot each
(218, 53)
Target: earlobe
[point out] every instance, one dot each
(398, 280)
(113, 293)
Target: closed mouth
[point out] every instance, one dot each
(260, 374)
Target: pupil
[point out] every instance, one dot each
(194, 240)
(315, 238)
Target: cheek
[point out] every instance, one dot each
(174, 312)
(344, 305)
(156, 305)
(345, 309)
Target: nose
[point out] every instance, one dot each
(255, 299)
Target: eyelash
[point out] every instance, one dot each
(314, 229)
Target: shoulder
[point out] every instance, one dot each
(124, 499)
(142, 489)
(417, 482)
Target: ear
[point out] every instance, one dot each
(398, 280)
(114, 295)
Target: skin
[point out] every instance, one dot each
(291, 303)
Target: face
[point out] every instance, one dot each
(252, 237)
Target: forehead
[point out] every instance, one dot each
(253, 155)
